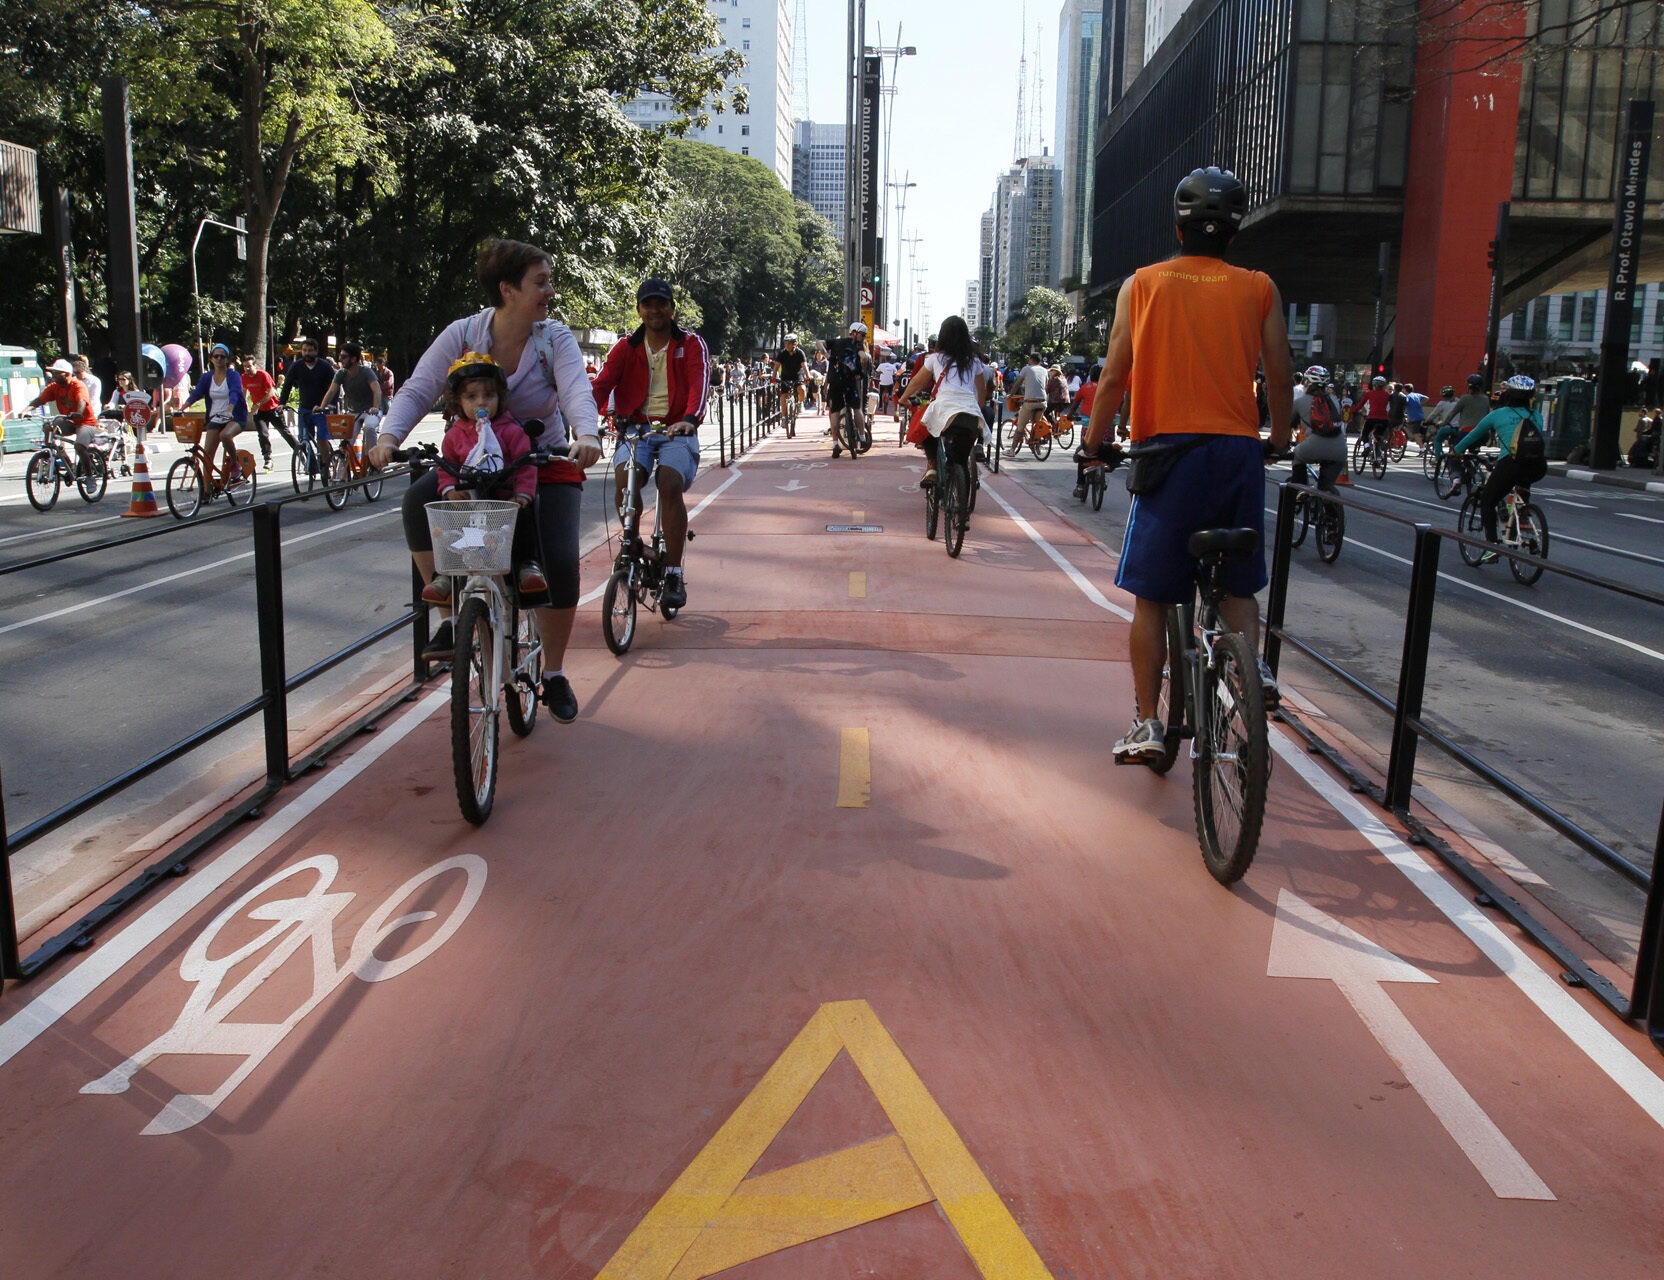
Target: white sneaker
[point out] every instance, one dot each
(1144, 741)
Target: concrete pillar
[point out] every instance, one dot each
(1463, 125)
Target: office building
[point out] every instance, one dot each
(1079, 56)
(818, 168)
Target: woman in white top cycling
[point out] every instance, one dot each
(960, 382)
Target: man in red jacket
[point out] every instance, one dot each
(660, 374)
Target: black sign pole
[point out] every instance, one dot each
(1612, 389)
(1493, 324)
(124, 242)
(871, 76)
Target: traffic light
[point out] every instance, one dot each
(1491, 256)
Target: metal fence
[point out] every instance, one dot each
(1645, 999)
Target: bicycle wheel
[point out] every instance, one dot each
(618, 612)
(849, 431)
(1170, 698)
(1533, 541)
(932, 508)
(240, 492)
(184, 488)
(1065, 434)
(1468, 521)
(1302, 519)
(340, 472)
(526, 654)
(303, 467)
(93, 477)
(956, 516)
(1447, 477)
(1041, 448)
(40, 479)
(1331, 531)
(1233, 765)
(1400, 442)
(1378, 458)
(1360, 452)
(372, 483)
(475, 689)
(1429, 461)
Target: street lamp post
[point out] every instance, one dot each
(895, 53)
(901, 220)
(196, 294)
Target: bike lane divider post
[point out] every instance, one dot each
(268, 604)
(1412, 672)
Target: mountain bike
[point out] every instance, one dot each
(1461, 472)
(498, 664)
(1211, 694)
(1328, 517)
(1520, 526)
(49, 467)
(638, 572)
(192, 480)
(347, 463)
(788, 394)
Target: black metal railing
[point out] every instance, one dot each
(1645, 1000)
(272, 705)
(744, 418)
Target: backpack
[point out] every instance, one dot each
(1528, 440)
(845, 368)
(1325, 416)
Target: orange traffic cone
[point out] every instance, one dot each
(1345, 477)
(143, 502)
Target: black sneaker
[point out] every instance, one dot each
(441, 646)
(675, 592)
(559, 698)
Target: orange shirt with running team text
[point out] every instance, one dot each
(1196, 327)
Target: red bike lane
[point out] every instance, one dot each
(825, 943)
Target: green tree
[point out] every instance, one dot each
(1047, 312)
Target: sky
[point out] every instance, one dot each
(955, 125)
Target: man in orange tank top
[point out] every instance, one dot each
(1188, 337)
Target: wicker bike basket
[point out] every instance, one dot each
(472, 537)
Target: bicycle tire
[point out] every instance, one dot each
(1429, 461)
(1533, 541)
(92, 482)
(932, 509)
(1378, 459)
(1065, 436)
(1302, 519)
(372, 483)
(340, 471)
(618, 612)
(240, 493)
(1468, 521)
(475, 689)
(526, 653)
(1170, 695)
(1232, 769)
(303, 468)
(1360, 452)
(849, 432)
(41, 481)
(1041, 448)
(1099, 486)
(1398, 449)
(184, 488)
(1447, 477)
(1331, 531)
(956, 517)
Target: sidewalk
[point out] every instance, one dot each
(827, 942)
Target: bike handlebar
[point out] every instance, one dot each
(426, 457)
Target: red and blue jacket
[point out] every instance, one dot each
(624, 377)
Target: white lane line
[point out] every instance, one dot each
(1510, 600)
(1630, 515)
(38, 1014)
(1075, 575)
(1556, 1003)
(1567, 502)
(60, 530)
(185, 573)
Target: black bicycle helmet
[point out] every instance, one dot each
(1210, 195)
(1475, 382)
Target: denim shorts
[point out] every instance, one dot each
(678, 453)
(1219, 485)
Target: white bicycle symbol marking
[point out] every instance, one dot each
(805, 466)
(202, 1028)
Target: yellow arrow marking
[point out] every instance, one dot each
(857, 585)
(713, 1217)
(854, 769)
(858, 517)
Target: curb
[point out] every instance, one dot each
(1617, 479)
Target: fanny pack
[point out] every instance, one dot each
(1150, 463)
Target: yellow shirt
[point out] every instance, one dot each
(658, 381)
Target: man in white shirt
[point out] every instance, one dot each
(886, 384)
(1032, 382)
(90, 380)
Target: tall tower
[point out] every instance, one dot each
(1020, 142)
(800, 61)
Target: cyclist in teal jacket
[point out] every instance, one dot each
(1520, 433)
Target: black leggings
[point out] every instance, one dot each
(557, 509)
(961, 438)
(1508, 472)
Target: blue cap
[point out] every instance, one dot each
(653, 287)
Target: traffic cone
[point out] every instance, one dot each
(1345, 477)
(143, 502)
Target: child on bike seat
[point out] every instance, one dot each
(484, 436)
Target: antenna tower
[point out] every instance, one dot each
(1037, 104)
(800, 62)
(1021, 140)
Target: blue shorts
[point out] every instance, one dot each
(313, 425)
(1218, 485)
(678, 453)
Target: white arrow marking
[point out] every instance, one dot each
(1305, 943)
(793, 487)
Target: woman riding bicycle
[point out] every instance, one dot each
(221, 390)
(1522, 462)
(960, 380)
(1317, 413)
(544, 369)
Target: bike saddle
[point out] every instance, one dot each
(1233, 544)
